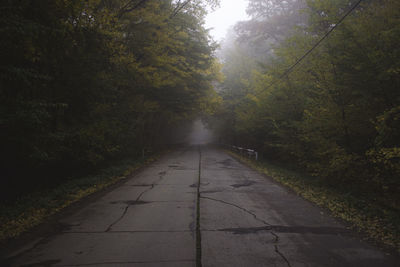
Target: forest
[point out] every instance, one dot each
(84, 83)
(313, 85)
(336, 114)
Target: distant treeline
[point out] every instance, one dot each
(337, 114)
(86, 82)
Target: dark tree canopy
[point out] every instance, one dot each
(85, 82)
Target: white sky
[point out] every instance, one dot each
(229, 12)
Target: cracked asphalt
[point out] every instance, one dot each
(198, 206)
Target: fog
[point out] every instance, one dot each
(225, 16)
(199, 134)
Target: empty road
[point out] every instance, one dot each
(199, 207)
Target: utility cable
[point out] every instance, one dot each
(289, 70)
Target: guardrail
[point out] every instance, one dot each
(246, 151)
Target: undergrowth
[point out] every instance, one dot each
(31, 210)
(379, 223)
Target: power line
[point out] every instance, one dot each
(289, 70)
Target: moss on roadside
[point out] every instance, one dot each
(31, 210)
(379, 223)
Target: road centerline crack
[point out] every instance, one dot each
(198, 232)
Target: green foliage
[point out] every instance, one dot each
(336, 116)
(83, 82)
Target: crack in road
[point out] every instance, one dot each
(109, 227)
(273, 238)
(198, 231)
(127, 207)
(239, 207)
(276, 237)
(285, 229)
(281, 254)
(161, 175)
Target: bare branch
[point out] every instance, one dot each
(127, 9)
(179, 8)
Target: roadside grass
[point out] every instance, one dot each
(377, 223)
(31, 210)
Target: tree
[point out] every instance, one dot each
(87, 82)
(335, 114)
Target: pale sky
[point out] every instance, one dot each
(229, 12)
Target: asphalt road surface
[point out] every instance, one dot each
(199, 207)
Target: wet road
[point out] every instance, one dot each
(163, 216)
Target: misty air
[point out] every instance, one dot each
(200, 133)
